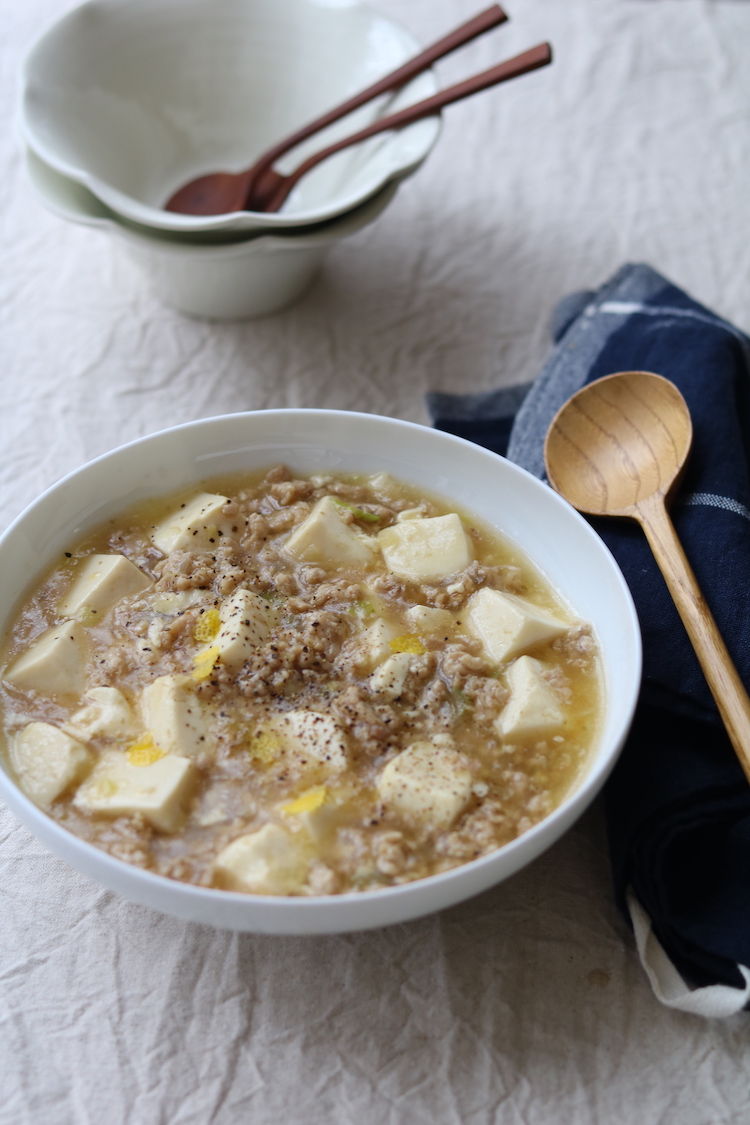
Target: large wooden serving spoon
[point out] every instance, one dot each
(618, 448)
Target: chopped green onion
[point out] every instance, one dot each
(361, 609)
(359, 513)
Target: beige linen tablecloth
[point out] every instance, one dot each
(527, 1005)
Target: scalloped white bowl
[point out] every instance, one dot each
(133, 98)
(560, 542)
(213, 275)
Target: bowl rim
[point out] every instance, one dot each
(251, 242)
(523, 848)
(429, 129)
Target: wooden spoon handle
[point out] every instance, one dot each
(472, 29)
(532, 59)
(721, 675)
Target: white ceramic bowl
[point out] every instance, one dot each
(242, 276)
(133, 98)
(571, 555)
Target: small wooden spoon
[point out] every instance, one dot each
(618, 448)
(219, 193)
(272, 188)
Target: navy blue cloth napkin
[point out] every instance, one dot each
(677, 804)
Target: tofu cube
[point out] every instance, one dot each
(268, 862)
(428, 782)
(246, 620)
(324, 539)
(424, 549)
(532, 710)
(197, 523)
(427, 620)
(312, 738)
(507, 625)
(159, 791)
(47, 761)
(375, 644)
(100, 581)
(173, 715)
(107, 714)
(389, 678)
(55, 663)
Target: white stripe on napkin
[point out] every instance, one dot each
(627, 308)
(715, 1001)
(710, 500)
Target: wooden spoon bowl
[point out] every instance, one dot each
(618, 442)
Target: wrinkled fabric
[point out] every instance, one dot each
(528, 1005)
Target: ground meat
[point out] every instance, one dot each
(263, 672)
(187, 570)
(311, 575)
(457, 665)
(256, 532)
(369, 727)
(113, 665)
(390, 586)
(354, 493)
(478, 832)
(384, 516)
(173, 632)
(434, 702)
(335, 592)
(487, 697)
(287, 518)
(325, 592)
(128, 838)
(509, 579)
(559, 683)
(285, 582)
(276, 473)
(390, 853)
(440, 598)
(577, 644)
(290, 491)
(230, 580)
(316, 637)
(187, 869)
(461, 586)
(322, 880)
(354, 855)
(421, 667)
(346, 515)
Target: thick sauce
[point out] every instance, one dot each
(311, 686)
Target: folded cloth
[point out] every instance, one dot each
(678, 803)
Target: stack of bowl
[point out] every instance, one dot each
(126, 100)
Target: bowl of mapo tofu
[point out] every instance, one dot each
(306, 671)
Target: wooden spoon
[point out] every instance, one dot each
(272, 188)
(618, 448)
(220, 193)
